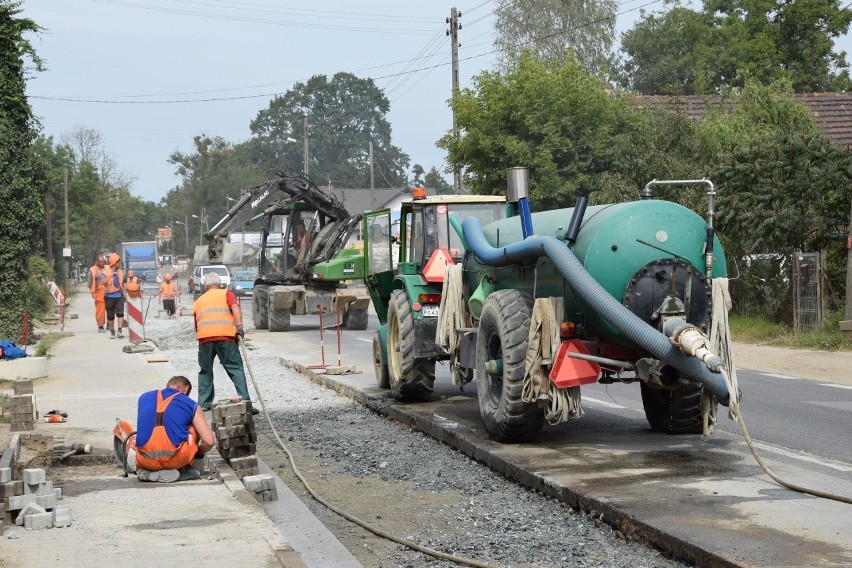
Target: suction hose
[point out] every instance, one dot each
(591, 292)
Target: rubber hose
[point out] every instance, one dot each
(592, 293)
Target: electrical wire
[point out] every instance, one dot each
(346, 515)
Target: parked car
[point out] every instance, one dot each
(201, 271)
(242, 282)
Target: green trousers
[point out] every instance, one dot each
(228, 353)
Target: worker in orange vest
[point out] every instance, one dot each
(172, 433)
(168, 293)
(114, 296)
(218, 327)
(96, 283)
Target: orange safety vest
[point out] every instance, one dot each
(213, 317)
(168, 290)
(98, 279)
(109, 285)
(159, 453)
(134, 289)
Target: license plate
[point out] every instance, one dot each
(430, 311)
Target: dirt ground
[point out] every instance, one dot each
(829, 366)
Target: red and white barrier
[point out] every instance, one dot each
(60, 301)
(135, 320)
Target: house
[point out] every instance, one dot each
(832, 112)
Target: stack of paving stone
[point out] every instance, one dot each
(236, 436)
(261, 486)
(32, 502)
(22, 406)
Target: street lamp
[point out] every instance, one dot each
(186, 229)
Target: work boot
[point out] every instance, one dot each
(188, 473)
(161, 476)
(120, 334)
(112, 334)
(101, 329)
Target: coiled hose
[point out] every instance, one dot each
(591, 292)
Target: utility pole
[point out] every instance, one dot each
(66, 251)
(846, 324)
(453, 32)
(305, 137)
(372, 179)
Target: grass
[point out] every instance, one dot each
(4, 407)
(47, 342)
(752, 329)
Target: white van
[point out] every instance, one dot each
(202, 271)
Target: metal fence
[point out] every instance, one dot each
(807, 288)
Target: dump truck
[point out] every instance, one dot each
(306, 265)
(534, 305)
(141, 257)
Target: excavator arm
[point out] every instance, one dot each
(279, 190)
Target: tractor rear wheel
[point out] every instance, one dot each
(501, 350)
(410, 378)
(260, 306)
(675, 411)
(379, 366)
(279, 320)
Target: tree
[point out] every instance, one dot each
(553, 117)
(552, 28)
(215, 171)
(343, 114)
(683, 51)
(418, 171)
(21, 186)
(435, 179)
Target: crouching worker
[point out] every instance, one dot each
(172, 433)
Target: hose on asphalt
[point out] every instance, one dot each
(346, 515)
(734, 410)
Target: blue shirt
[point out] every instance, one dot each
(177, 418)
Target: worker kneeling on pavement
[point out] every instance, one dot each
(172, 433)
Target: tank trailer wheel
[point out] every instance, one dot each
(501, 349)
(675, 411)
(410, 378)
(379, 366)
(260, 306)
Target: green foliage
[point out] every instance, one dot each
(344, 114)
(435, 179)
(37, 299)
(684, 51)
(21, 183)
(754, 329)
(47, 342)
(555, 28)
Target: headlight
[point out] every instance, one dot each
(238, 287)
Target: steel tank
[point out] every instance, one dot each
(638, 251)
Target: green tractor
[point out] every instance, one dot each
(407, 293)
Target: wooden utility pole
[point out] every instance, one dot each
(453, 32)
(846, 324)
(48, 230)
(372, 179)
(66, 251)
(305, 138)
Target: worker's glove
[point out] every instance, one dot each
(240, 333)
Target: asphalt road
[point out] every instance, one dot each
(669, 489)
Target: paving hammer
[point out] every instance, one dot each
(75, 450)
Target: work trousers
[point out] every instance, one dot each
(169, 306)
(114, 308)
(228, 353)
(100, 309)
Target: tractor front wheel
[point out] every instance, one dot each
(410, 378)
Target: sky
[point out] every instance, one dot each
(150, 75)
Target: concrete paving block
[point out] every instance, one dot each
(46, 501)
(62, 517)
(30, 508)
(246, 472)
(38, 521)
(8, 458)
(58, 492)
(11, 488)
(5, 474)
(23, 386)
(18, 502)
(34, 476)
(28, 367)
(243, 462)
(258, 483)
(21, 426)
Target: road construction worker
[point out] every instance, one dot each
(96, 284)
(168, 293)
(172, 432)
(114, 296)
(133, 286)
(218, 327)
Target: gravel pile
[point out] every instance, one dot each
(405, 482)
